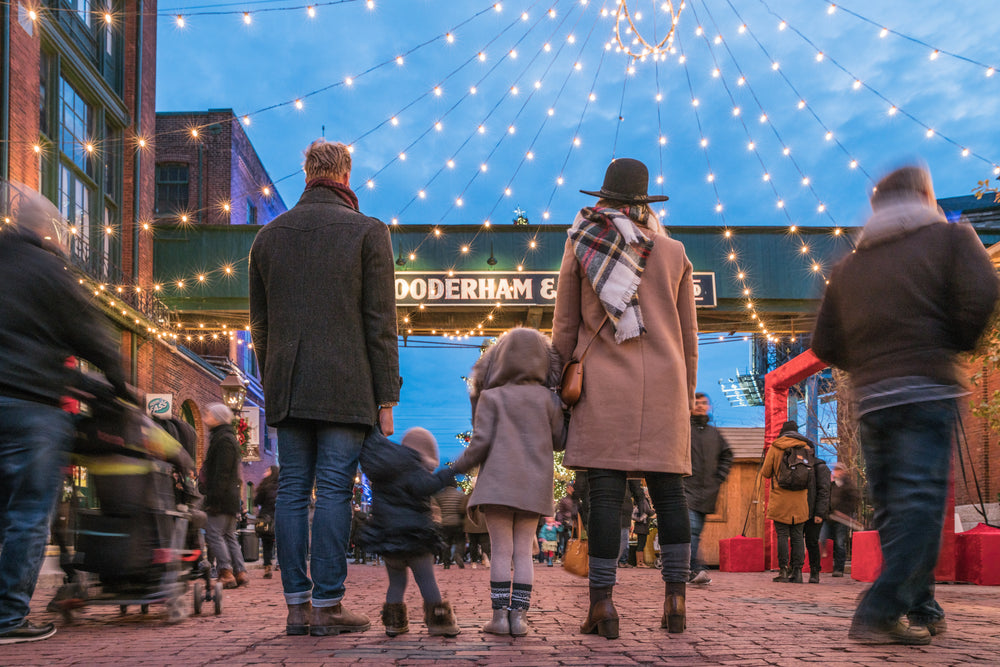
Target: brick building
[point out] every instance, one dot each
(78, 123)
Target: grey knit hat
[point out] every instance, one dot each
(219, 413)
(422, 442)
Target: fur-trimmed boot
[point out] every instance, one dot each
(602, 619)
(394, 618)
(440, 619)
(674, 607)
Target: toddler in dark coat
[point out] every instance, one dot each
(400, 526)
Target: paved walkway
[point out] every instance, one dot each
(739, 619)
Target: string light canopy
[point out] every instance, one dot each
(521, 103)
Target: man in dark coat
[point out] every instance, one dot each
(220, 482)
(819, 508)
(844, 498)
(711, 459)
(323, 322)
(917, 291)
(45, 317)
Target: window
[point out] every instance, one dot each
(76, 132)
(43, 92)
(74, 204)
(82, 9)
(251, 213)
(171, 187)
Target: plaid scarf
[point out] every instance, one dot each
(612, 250)
(342, 191)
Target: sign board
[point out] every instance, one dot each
(516, 288)
(160, 405)
(252, 415)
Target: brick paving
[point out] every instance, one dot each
(738, 619)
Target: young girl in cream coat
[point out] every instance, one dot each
(517, 423)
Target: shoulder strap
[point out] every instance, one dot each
(603, 322)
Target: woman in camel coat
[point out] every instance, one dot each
(633, 418)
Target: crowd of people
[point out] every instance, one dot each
(896, 312)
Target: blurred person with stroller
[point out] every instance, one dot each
(267, 493)
(45, 317)
(220, 482)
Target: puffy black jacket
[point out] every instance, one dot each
(220, 474)
(46, 317)
(400, 518)
(711, 459)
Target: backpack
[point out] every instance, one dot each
(794, 469)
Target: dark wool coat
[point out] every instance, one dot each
(844, 497)
(637, 396)
(266, 495)
(517, 422)
(784, 506)
(917, 291)
(323, 312)
(819, 489)
(711, 459)
(220, 473)
(400, 519)
(45, 317)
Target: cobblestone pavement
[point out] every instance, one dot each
(738, 619)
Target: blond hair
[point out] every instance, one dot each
(904, 182)
(327, 159)
(642, 214)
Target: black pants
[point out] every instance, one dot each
(790, 532)
(811, 532)
(454, 536)
(607, 489)
(479, 544)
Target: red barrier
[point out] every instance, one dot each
(866, 556)
(741, 554)
(978, 556)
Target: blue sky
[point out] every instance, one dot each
(848, 75)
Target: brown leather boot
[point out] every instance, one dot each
(297, 622)
(334, 620)
(394, 618)
(243, 578)
(674, 608)
(440, 620)
(602, 619)
(268, 573)
(227, 579)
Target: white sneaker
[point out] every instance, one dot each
(701, 578)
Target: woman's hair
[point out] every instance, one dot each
(327, 159)
(904, 182)
(642, 214)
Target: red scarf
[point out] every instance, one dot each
(343, 191)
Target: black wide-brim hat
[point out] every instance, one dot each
(626, 180)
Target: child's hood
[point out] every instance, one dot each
(521, 356)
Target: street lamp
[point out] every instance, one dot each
(233, 392)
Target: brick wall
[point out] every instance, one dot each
(24, 99)
(980, 449)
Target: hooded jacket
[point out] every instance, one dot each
(917, 291)
(785, 506)
(517, 422)
(221, 472)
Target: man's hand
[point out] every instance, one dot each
(385, 420)
(817, 519)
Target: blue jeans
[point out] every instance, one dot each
(697, 525)
(34, 439)
(323, 454)
(907, 452)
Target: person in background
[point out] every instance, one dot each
(45, 317)
(819, 509)
(566, 513)
(548, 536)
(323, 323)
(221, 484)
(638, 388)
(787, 508)
(267, 493)
(897, 312)
(452, 501)
(633, 505)
(479, 537)
(844, 498)
(711, 459)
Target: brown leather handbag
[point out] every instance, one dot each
(576, 559)
(571, 385)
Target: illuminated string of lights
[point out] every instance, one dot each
(894, 109)
(658, 50)
(828, 134)
(883, 31)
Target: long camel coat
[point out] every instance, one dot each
(634, 413)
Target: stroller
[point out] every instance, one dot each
(143, 545)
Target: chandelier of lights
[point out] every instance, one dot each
(661, 48)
